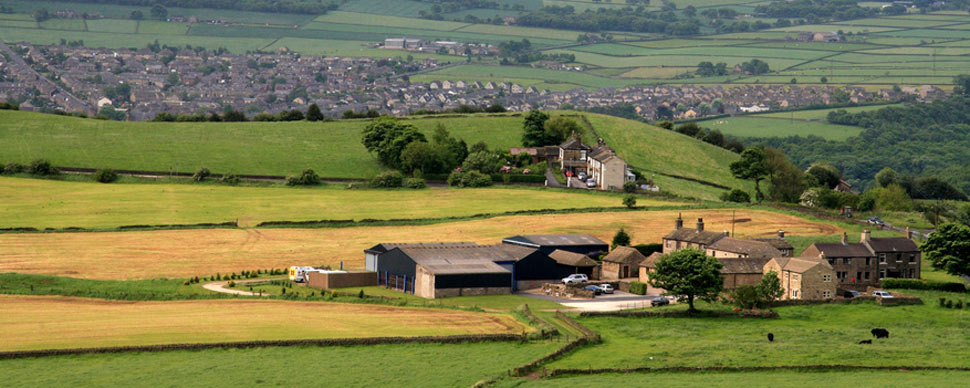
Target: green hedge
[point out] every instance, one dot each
(638, 288)
(917, 284)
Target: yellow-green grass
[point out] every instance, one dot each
(657, 72)
(111, 40)
(758, 126)
(162, 28)
(331, 149)
(895, 22)
(40, 322)
(112, 25)
(488, 302)
(920, 335)
(402, 365)
(672, 60)
(766, 379)
(519, 32)
(387, 21)
(939, 51)
(820, 114)
(57, 204)
(673, 43)
(658, 150)
(832, 28)
(63, 24)
(201, 252)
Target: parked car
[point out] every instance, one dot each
(874, 220)
(575, 278)
(596, 289)
(606, 288)
(590, 183)
(852, 294)
(582, 176)
(882, 294)
(659, 301)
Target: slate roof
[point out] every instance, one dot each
(459, 259)
(703, 237)
(738, 266)
(778, 243)
(571, 258)
(625, 255)
(753, 249)
(842, 250)
(892, 244)
(384, 247)
(574, 143)
(553, 240)
(651, 261)
(800, 264)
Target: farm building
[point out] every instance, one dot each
(570, 263)
(741, 272)
(779, 243)
(372, 254)
(730, 247)
(435, 272)
(547, 243)
(621, 263)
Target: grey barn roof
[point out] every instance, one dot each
(572, 259)
(537, 240)
(460, 259)
(892, 244)
(384, 247)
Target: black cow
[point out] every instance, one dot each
(880, 333)
(865, 342)
(771, 337)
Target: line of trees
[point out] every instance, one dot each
(603, 19)
(271, 6)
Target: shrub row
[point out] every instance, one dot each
(918, 284)
(546, 328)
(638, 288)
(944, 302)
(229, 224)
(39, 167)
(682, 314)
(454, 339)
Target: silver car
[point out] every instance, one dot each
(590, 183)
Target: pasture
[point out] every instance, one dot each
(765, 379)
(198, 252)
(780, 125)
(921, 335)
(58, 204)
(407, 365)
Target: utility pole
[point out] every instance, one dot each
(732, 222)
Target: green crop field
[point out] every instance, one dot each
(412, 365)
(109, 25)
(818, 114)
(388, 21)
(921, 335)
(768, 379)
(47, 203)
(161, 28)
(759, 126)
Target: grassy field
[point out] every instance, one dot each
(921, 335)
(411, 365)
(39, 322)
(775, 126)
(48, 203)
(490, 302)
(772, 379)
(185, 253)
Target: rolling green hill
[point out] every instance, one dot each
(333, 149)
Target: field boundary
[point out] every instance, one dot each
(573, 371)
(681, 314)
(454, 339)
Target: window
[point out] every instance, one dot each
(912, 273)
(899, 257)
(867, 275)
(669, 244)
(912, 258)
(858, 276)
(831, 261)
(794, 277)
(826, 294)
(826, 278)
(794, 294)
(846, 261)
(882, 273)
(882, 258)
(868, 260)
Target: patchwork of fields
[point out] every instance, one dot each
(783, 124)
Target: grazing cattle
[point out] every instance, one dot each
(771, 337)
(865, 342)
(880, 333)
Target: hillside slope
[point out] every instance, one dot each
(333, 149)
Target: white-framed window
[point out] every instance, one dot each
(882, 258)
(794, 294)
(882, 273)
(826, 294)
(846, 261)
(826, 278)
(795, 276)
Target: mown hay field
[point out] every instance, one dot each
(58, 204)
(766, 379)
(185, 253)
(55, 322)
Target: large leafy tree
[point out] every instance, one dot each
(688, 273)
(949, 249)
(621, 239)
(769, 288)
(752, 166)
(387, 137)
(534, 127)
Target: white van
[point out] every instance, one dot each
(298, 274)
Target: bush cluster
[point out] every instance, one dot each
(201, 175)
(638, 288)
(230, 179)
(736, 195)
(388, 179)
(105, 175)
(944, 302)
(42, 167)
(307, 178)
(469, 179)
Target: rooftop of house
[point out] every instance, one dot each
(751, 248)
(538, 240)
(574, 143)
(841, 249)
(572, 258)
(651, 261)
(892, 244)
(625, 255)
(800, 264)
(778, 243)
(704, 237)
(738, 266)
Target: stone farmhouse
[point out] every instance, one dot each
(621, 263)
(863, 264)
(803, 277)
(602, 164)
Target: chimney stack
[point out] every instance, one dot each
(727, 233)
(845, 238)
(680, 222)
(866, 235)
(781, 234)
(700, 224)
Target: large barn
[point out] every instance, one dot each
(547, 243)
